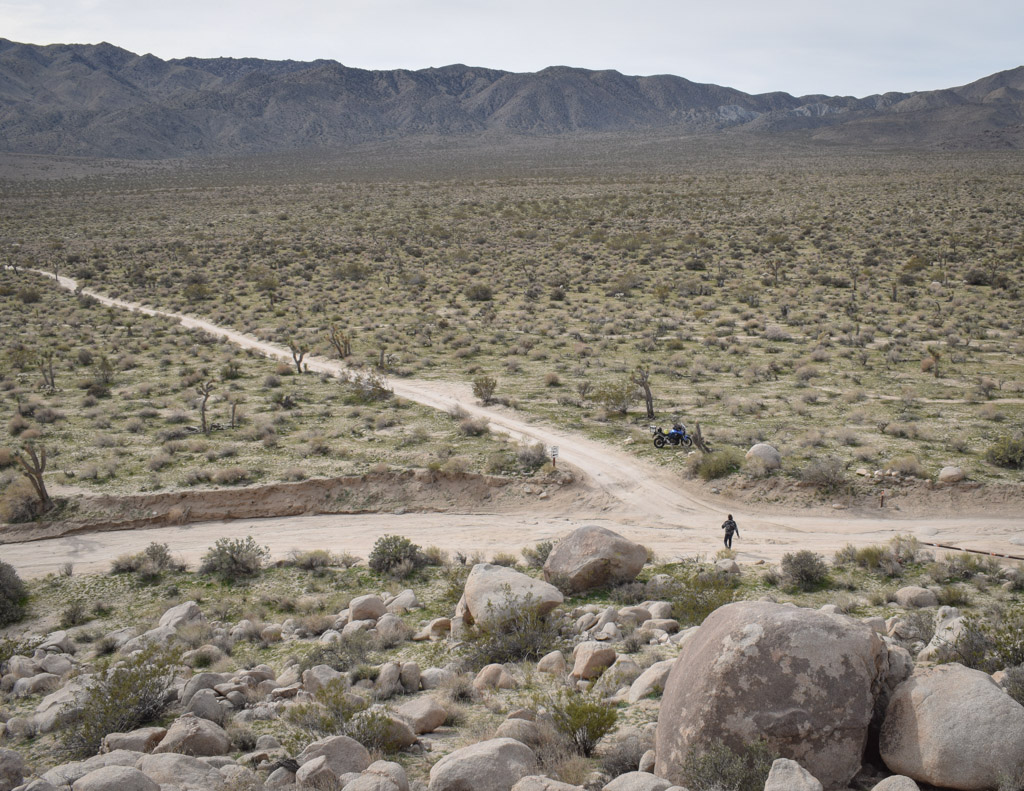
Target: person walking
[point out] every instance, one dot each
(729, 526)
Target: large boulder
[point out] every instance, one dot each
(949, 624)
(787, 775)
(181, 614)
(192, 735)
(914, 596)
(492, 765)
(806, 681)
(181, 771)
(344, 754)
(424, 715)
(953, 727)
(766, 454)
(115, 778)
(591, 556)
(366, 608)
(637, 781)
(492, 593)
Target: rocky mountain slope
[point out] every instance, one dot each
(100, 100)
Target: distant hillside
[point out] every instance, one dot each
(100, 100)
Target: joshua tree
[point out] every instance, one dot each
(341, 341)
(298, 351)
(33, 464)
(641, 377)
(204, 391)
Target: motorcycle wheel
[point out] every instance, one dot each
(687, 442)
(659, 442)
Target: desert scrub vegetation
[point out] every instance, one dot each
(869, 296)
(128, 402)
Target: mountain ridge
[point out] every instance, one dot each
(102, 100)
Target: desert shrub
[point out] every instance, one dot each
(74, 614)
(479, 292)
(918, 626)
(343, 655)
(396, 556)
(315, 560)
(232, 558)
(718, 464)
(367, 387)
(531, 457)
(628, 593)
(537, 555)
(1007, 452)
(13, 595)
(695, 593)
(18, 502)
(805, 570)
(953, 596)
(959, 566)
(474, 426)
(119, 699)
(908, 464)
(825, 475)
(328, 713)
(617, 397)
(484, 388)
(1013, 683)
(435, 556)
(523, 633)
(504, 559)
(581, 717)
(991, 644)
(719, 768)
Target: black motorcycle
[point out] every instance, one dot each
(677, 436)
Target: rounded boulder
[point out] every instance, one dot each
(803, 680)
(953, 727)
(591, 556)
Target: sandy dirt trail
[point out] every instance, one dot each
(640, 500)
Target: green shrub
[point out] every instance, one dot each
(719, 768)
(484, 388)
(719, 463)
(342, 655)
(521, 634)
(582, 718)
(391, 554)
(328, 713)
(74, 614)
(953, 596)
(19, 503)
(232, 558)
(804, 570)
(537, 555)
(119, 699)
(13, 595)
(991, 644)
(825, 475)
(1013, 683)
(1007, 452)
(695, 593)
(315, 560)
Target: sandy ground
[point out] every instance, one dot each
(622, 492)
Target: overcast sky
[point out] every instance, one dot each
(836, 47)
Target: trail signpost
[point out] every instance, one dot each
(554, 455)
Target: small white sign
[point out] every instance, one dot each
(554, 451)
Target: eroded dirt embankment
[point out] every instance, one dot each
(392, 491)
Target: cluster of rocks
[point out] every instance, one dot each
(821, 688)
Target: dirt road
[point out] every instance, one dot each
(640, 500)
